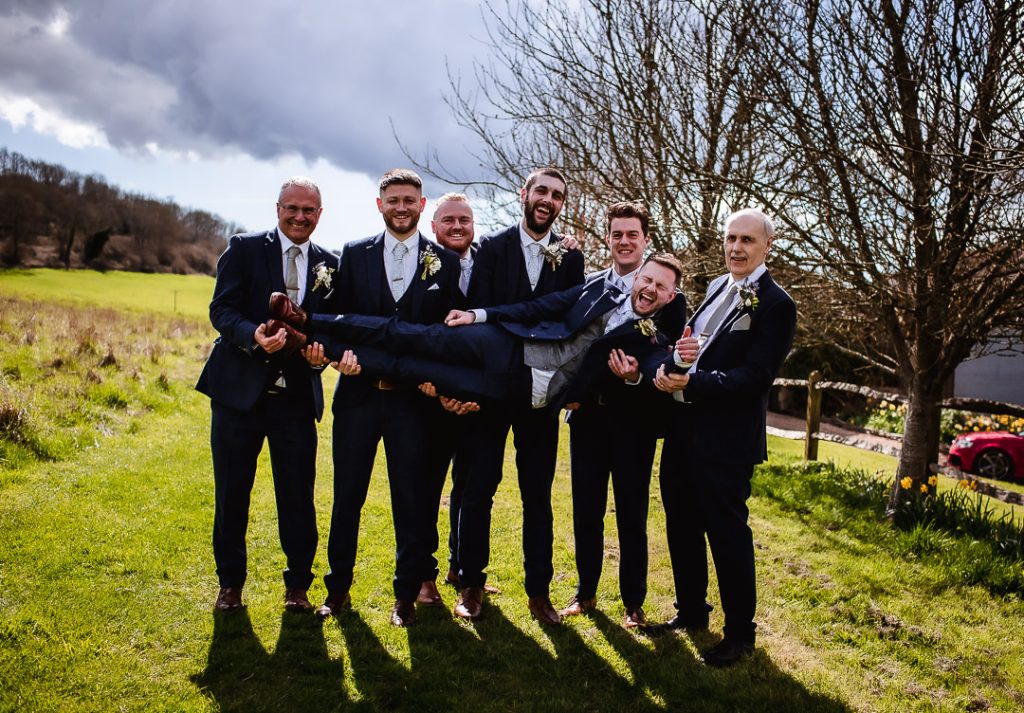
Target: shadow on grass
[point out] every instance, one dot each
(300, 675)
(490, 665)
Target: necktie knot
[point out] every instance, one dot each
(400, 251)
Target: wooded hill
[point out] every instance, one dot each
(53, 217)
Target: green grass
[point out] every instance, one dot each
(164, 294)
(107, 584)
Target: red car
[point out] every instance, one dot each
(991, 454)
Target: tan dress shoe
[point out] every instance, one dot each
(229, 599)
(470, 603)
(634, 618)
(403, 613)
(543, 612)
(579, 606)
(295, 600)
(334, 605)
(429, 596)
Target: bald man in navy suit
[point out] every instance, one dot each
(720, 375)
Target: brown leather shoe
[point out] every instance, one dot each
(403, 613)
(294, 339)
(284, 309)
(295, 600)
(452, 577)
(543, 612)
(470, 603)
(579, 606)
(634, 618)
(229, 599)
(491, 589)
(429, 596)
(334, 605)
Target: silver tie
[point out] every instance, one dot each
(718, 316)
(398, 271)
(467, 271)
(534, 265)
(291, 277)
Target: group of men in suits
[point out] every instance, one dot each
(392, 313)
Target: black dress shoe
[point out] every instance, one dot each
(727, 652)
(403, 613)
(334, 605)
(229, 599)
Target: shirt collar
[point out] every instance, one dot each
(527, 239)
(286, 243)
(390, 241)
(627, 280)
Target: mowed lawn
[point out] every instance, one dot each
(107, 585)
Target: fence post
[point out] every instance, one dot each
(813, 416)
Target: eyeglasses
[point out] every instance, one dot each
(291, 209)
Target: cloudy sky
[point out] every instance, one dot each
(212, 104)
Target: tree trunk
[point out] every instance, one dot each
(920, 434)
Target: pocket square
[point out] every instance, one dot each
(433, 287)
(741, 324)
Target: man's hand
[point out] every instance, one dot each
(314, 354)
(570, 242)
(269, 343)
(688, 347)
(459, 318)
(624, 366)
(428, 390)
(670, 383)
(348, 365)
(459, 408)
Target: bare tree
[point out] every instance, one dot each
(900, 134)
(635, 99)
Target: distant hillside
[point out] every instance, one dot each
(53, 217)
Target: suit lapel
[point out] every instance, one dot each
(274, 265)
(314, 257)
(418, 286)
(375, 275)
(709, 299)
(515, 260)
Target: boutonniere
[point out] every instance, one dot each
(322, 276)
(748, 295)
(646, 327)
(553, 254)
(430, 261)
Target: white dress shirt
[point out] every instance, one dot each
(409, 263)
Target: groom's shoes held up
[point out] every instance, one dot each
(284, 309)
(294, 339)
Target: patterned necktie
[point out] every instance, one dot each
(291, 276)
(398, 271)
(716, 318)
(534, 265)
(467, 269)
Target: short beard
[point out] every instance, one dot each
(533, 225)
(394, 231)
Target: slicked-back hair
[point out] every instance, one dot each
(546, 171)
(400, 177)
(629, 209)
(667, 260)
(299, 182)
(769, 226)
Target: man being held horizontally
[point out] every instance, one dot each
(259, 392)
(606, 442)
(730, 352)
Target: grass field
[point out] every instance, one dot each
(107, 581)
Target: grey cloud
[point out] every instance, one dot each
(323, 79)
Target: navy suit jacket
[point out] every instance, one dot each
(499, 271)
(238, 371)
(362, 288)
(727, 394)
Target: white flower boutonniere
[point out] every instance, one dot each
(322, 276)
(430, 261)
(748, 295)
(553, 254)
(646, 327)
